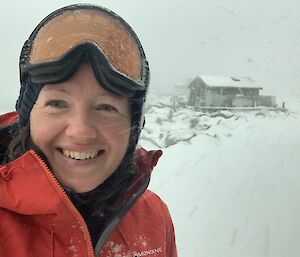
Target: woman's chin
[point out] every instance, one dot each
(78, 185)
(79, 175)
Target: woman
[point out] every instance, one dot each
(72, 181)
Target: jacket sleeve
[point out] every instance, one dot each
(171, 250)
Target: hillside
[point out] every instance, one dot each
(231, 180)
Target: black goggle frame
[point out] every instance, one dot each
(64, 68)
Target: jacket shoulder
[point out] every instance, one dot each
(7, 118)
(8, 126)
(149, 211)
(148, 228)
(151, 204)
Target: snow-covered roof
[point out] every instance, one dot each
(219, 81)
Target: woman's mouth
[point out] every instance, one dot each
(80, 155)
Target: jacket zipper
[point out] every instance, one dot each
(120, 214)
(67, 201)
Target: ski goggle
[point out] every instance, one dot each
(75, 34)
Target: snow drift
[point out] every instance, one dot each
(230, 179)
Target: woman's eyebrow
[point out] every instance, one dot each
(109, 96)
(56, 89)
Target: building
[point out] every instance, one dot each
(212, 91)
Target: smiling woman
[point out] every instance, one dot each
(73, 182)
(81, 130)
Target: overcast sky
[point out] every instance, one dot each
(182, 39)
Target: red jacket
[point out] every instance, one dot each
(38, 219)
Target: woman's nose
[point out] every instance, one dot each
(81, 127)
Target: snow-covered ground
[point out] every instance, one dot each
(230, 179)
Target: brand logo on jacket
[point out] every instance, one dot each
(147, 252)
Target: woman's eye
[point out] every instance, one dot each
(106, 107)
(57, 104)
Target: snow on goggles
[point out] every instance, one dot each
(75, 34)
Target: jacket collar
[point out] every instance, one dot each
(8, 118)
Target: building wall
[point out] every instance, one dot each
(212, 99)
(197, 89)
(244, 101)
(250, 91)
(267, 100)
(203, 96)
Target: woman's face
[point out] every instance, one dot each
(82, 129)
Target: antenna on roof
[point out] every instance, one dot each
(235, 78)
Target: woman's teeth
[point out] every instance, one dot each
(79, 155)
